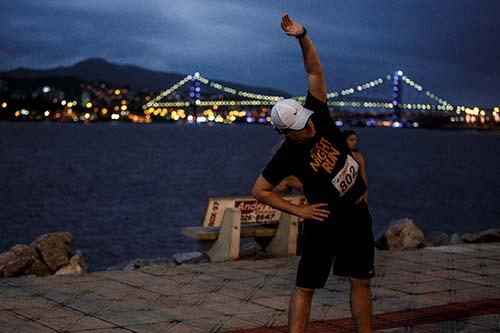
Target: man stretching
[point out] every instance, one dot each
(337, 224)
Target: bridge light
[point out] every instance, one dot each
(400, 73)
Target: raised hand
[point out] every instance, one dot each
(291, 28)
(313, 211)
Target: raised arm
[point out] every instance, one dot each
(315, 78)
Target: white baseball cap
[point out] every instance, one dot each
(289, 114)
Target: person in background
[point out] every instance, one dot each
(352, 142)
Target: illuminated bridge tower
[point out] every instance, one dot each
(396, 94)
(195, 91)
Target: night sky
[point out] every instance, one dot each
(451, 47)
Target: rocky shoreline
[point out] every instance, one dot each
(401, 234)
(404, 234)
(51, 254)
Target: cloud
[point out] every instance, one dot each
(451, 44)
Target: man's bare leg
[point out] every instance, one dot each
(361, 304)
(299, 309)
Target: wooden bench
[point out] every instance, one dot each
(227, 220)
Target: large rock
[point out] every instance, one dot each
(54, 248)
(436, 238)
(76, 265)
(401, 234)
(490, 235)
(16, 260)
(38, 268)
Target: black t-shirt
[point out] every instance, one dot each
(324, 164)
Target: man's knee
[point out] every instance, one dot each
(305, 290)
(359, 283)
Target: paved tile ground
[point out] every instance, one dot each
(435, 289)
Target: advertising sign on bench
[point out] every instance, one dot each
(252, 211)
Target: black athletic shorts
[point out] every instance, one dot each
(347, 243)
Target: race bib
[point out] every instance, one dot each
(345, 178)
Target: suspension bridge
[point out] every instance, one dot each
(392, 96)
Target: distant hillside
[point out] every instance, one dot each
(96, 69)
(72, 86)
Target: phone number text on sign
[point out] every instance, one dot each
(254, 211)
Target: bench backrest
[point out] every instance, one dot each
(252, 211)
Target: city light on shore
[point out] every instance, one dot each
(196, 99)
